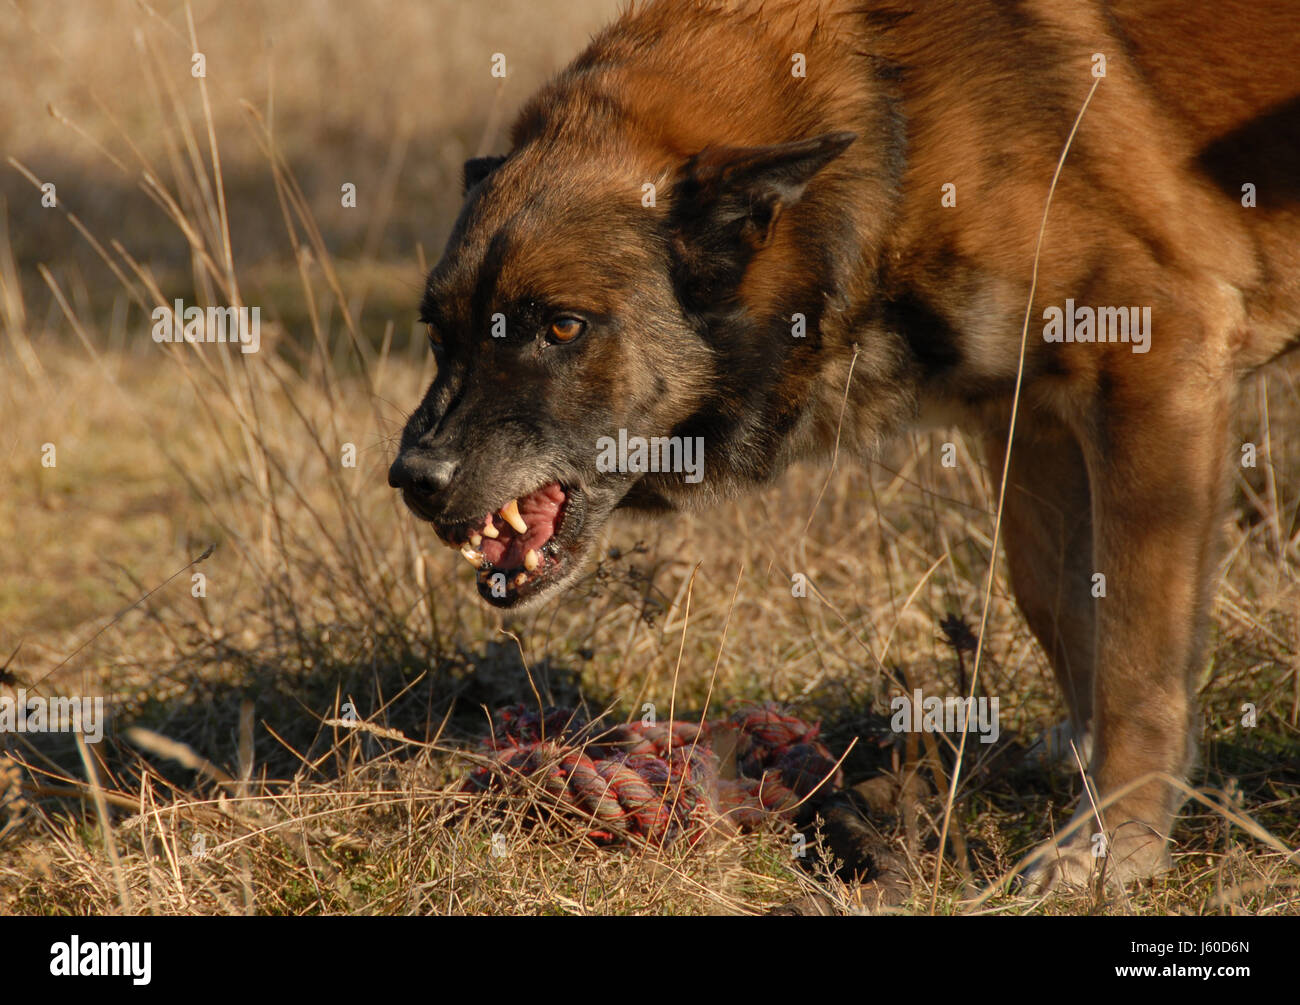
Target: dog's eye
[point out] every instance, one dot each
(435, 338)
(567, 329)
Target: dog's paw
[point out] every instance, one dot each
(1134, 852)
(1053, 748)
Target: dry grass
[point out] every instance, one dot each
(322, 590)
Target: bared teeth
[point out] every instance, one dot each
(510, 513)
(474, 558)
(476, 539)
(530, 560)
(521, 579)
(489, 529)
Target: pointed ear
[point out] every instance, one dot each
(726, 206)
(478, 168)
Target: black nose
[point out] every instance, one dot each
(421, 473)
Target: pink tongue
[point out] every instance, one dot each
(540, 510)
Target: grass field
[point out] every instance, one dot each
(225, 783)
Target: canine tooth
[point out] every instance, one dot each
(476, 539)
(510, 513)
(530, 560)
(521, 579)
(490, 530)
(474, 558)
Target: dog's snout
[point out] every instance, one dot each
(421, 473)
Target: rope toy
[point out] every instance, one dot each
(657, 782)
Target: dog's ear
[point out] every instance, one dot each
(727, 203)
(478, 168)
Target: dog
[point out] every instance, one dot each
(775, 227)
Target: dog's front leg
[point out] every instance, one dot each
(1156, 459)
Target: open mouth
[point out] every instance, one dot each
(524, 546)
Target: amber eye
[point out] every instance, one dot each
(435, 339)
(567, 329)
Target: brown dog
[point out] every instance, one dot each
(713, 206)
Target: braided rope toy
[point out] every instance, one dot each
(657, 782)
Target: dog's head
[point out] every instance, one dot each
(588, 296)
